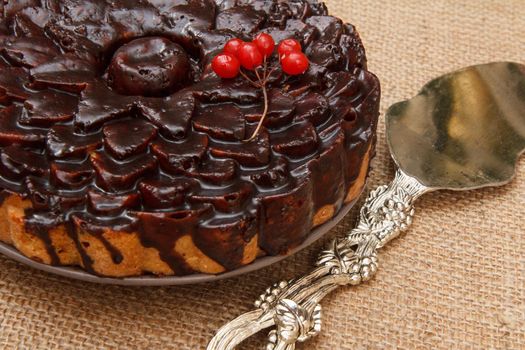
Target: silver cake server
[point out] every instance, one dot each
(464, 130)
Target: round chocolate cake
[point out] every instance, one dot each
(121, 151)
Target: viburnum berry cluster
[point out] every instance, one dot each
(251, 58)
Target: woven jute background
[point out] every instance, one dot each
(456, 280)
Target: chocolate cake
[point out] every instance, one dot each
(122, 152)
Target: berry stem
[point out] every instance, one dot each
(262, 80)
(265, 69)
(265, 112)
(249, 79)
(269, 74)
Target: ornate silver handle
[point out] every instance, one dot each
(293, 306)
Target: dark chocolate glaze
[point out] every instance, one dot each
(3, 196)
(72, 231)
(111, 118)
(95, 230)
(162, 230)
(39, 224)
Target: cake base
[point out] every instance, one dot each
(138, 259)
(153, 280)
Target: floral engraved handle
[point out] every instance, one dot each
(293, 306)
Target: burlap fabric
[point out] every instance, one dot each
(455, 281)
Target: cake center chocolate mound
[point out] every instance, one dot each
(152, 66)
(121, 150)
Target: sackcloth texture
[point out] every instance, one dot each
(455, 280)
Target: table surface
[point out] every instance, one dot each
(456, 280)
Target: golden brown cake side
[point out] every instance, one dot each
(136, 258)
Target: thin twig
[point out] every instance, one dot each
(265, 76)
(265, 112)
(249, 79)
(270, 74)
(258, 76)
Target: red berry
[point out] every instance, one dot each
(232, 46)
(287, 46)
(294, 63)
(250, 56)
(226, 65)
(265, 43)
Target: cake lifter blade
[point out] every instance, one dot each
(464, 130)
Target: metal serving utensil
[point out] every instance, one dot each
(464, 130)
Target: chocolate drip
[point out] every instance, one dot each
(289, 212)
(3, 196)
(162, 230)
(40, 224)
(87, 262)
(327, 170)
(116, 255)
(224, 239)
(95, 227)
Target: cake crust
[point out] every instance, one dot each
(136, 258)
(122, 152)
